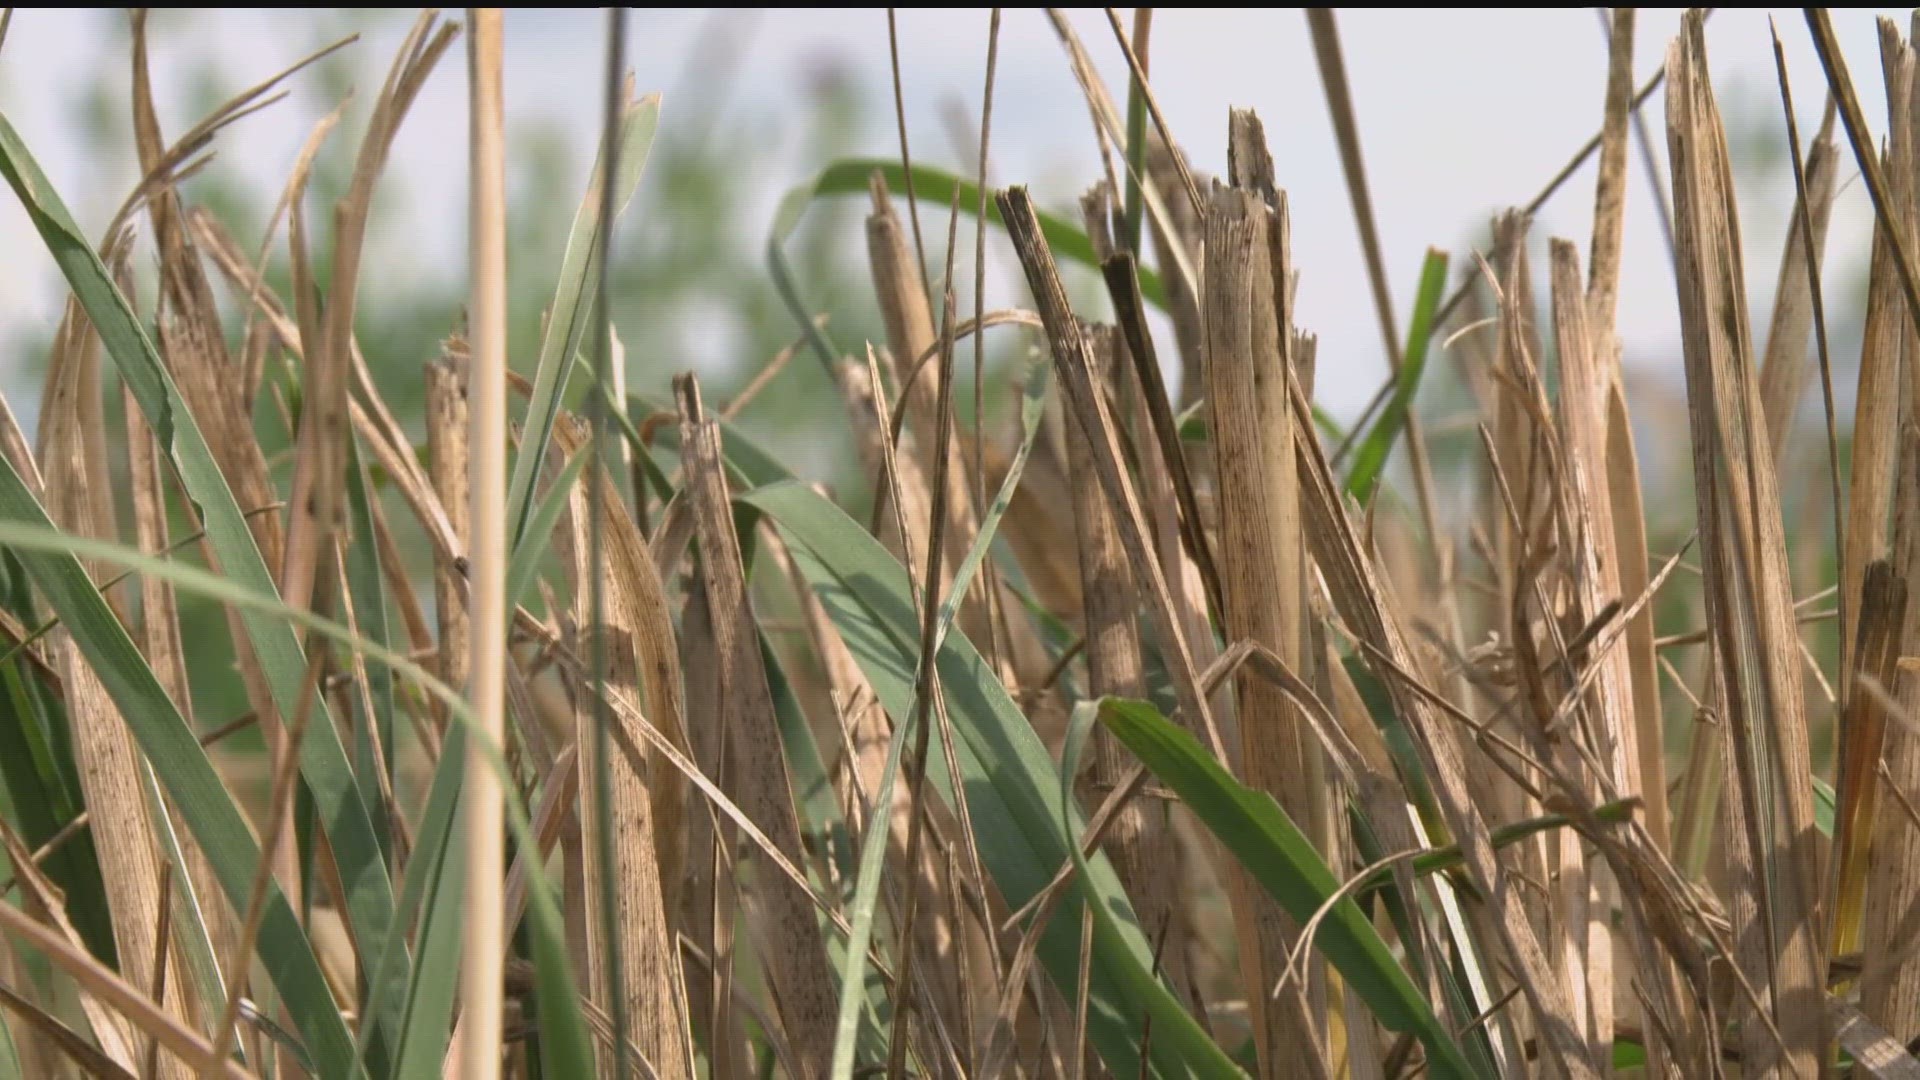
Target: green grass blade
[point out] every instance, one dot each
(180, 763)
(524, 564)
(324, 764)
(860, 913)
(422, 888)
(1823, 800)
(813, 792)
(1258, 833)
(436, 982)
(373, 735)
(1033, 401)
(1371, 458)
(874, 846)
(572, 309)
(1009, 780)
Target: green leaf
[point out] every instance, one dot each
(873, 849)
(1009, 782)
(323, 759)
(572, 309)
(860, 913)
(1371, 458)
(438, 863)
(373, 735)
(434, 980)
(1033, 401)
(1258, 833)
(524, 565)
(1823, 800)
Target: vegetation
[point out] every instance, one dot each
(1107, 724)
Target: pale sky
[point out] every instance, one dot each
(1461, 112)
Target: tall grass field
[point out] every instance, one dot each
(1124, 715)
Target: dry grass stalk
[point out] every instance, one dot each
(1141, 841)
(1087, 397)
(1180, 241)
(117, 994)
(195, 352)
(788, 932)
(707, 906)
(1877, 404)
(1166, 476)
(328, 372)
(447, 424)
(1615, 466)
(903, 511)
(1889, 985)
(1586, 384)
(1749, 597)
(482, 797)
(1251, 421)
(1785, 372)
(40, 898)
(159, 640)
(110, 764)
(1883, 621)
(1357, 594)
(988, 614)
(1587, 515)
(646, 796)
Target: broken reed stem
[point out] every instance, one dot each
(481, 960)
(1877, 405)
(1612, 462)
(1145, 851)
(1749, 597)
(161, 643)
(1890, 758)
(643, 797)
(1074, 364)
(1883, 620)
(792, 947)
(108, 760)
(1251, 420)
